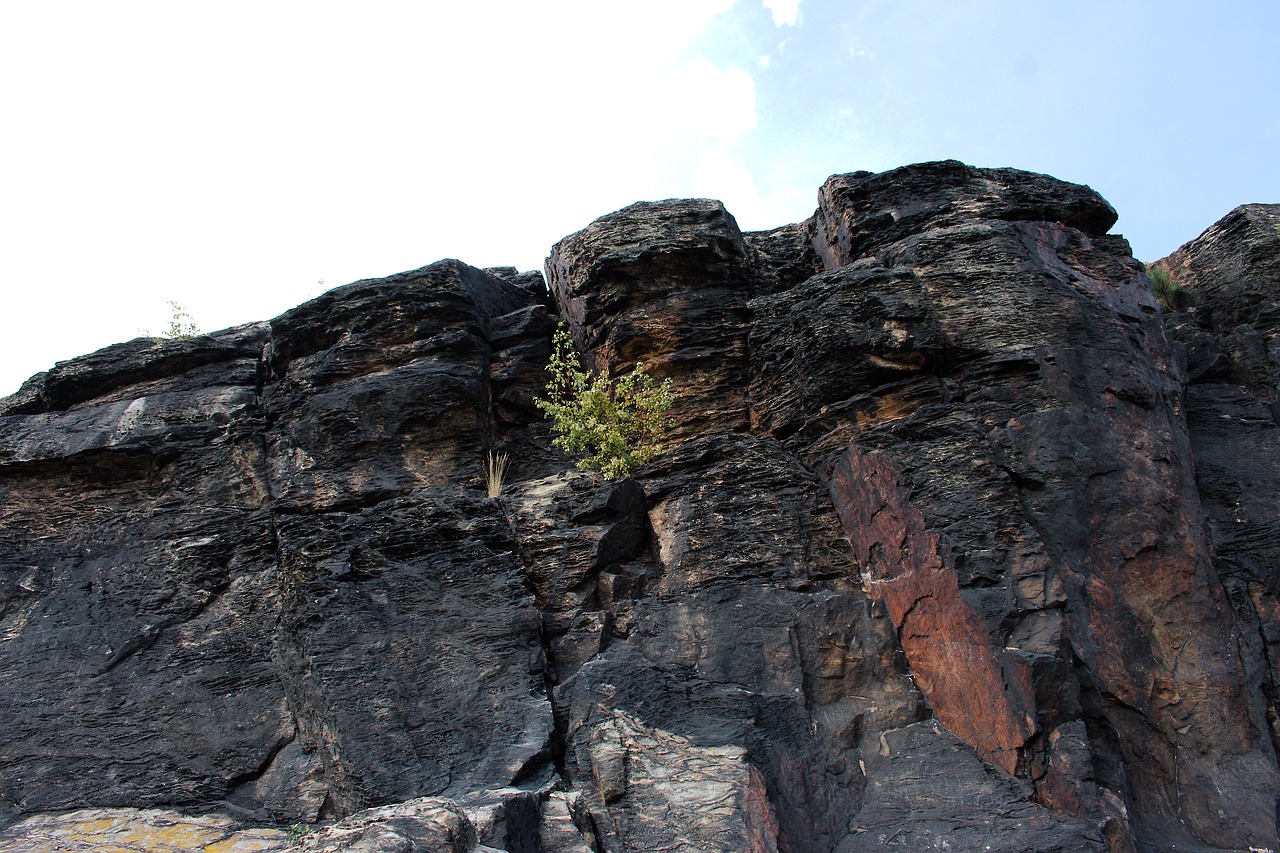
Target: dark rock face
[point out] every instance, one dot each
(957, 542)
(255, 586)
(861, 214)
(1231, 270)
(624, 285)
(1231, 339)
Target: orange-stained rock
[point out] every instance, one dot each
(951, 653)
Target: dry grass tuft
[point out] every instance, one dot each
(495, 472)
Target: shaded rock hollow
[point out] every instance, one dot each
(959, 539)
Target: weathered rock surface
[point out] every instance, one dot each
(212, 607)
(1230, 279)
(958, 542)
(137, 831)
(927, 790)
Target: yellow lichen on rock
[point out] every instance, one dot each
(137, 831)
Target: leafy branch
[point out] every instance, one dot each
(617, 423)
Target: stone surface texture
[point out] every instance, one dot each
(958, 541)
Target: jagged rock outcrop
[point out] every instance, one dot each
(958, 540)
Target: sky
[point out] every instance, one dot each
(238, 158)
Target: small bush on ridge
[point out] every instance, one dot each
(181, 325)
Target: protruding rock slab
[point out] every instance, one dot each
(862, 213)
(145, 367)
(1231, 272)
(654, 790)
(426, 825)
(926, 790)
(665, 283)
(380, 387)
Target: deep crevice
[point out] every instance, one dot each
(264, 766)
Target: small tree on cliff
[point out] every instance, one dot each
(616, 422)
(1169, 294)
(181, 324)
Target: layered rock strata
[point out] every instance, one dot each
(958, 540)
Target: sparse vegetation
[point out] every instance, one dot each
(1169, 294)
(181, 324)
(617, 423)
(299, 831)
(495, 472)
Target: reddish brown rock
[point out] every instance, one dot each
(953, 657)
(1056, 373)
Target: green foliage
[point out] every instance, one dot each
(299, 831)
(181, 324)
(617, 423)
(1169, 294)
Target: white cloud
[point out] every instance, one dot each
(720, 174)
(784, 12)
(228, 156)
(713, 103)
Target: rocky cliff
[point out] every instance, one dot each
(960, 541)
